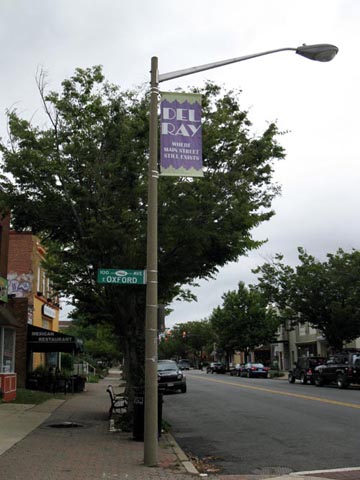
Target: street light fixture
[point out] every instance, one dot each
(319, 52)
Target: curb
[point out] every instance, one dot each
(170, 440)
(183, 459)
(306, 475)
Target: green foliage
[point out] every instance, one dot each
(212, 217)
(324, 294)
(67, 362)
(244, 321)
(187, 340)
(172, 345)
(80, 183)
(41, 370)
(100, 343)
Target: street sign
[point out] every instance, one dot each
(117, 276)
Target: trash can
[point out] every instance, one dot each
(139, 415)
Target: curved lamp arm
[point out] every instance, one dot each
(321, 52)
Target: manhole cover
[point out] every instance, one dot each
(66, 425)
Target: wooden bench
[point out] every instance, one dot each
(119, 403)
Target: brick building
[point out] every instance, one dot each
(27, 278)
(29, 312)
(13, 325)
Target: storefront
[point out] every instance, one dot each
(7, 355)
(41, 340)
(47, 341)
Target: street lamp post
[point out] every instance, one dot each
(319, 52)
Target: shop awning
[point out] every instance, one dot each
(42, 340)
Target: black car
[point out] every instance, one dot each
(170, 376)
(184, 364)
(216, 367)
(342, 368)
(304, 369)
(254, 370)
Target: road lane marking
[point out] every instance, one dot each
(332, 470)
(278, 392)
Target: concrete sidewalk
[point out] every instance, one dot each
(32, 448)
(17, 421)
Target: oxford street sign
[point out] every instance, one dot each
(117, 276)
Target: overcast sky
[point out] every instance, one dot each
(316, 103)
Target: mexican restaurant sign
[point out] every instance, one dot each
(180, 135)
(50, 337)
(42, 340)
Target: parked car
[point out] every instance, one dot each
(304, 369)
(170, 376)
(184, 364)
(236, 371)
(216, 367)
(342, 369)
(254, 370)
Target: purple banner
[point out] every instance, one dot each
(180, 135)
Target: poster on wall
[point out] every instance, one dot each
(180, 135)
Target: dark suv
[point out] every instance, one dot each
(304, 369)
(184, 364)
(170, 377)
(341, 368)
(216, 367)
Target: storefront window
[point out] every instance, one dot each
(7, 350)
(46, 324)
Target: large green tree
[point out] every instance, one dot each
(100, 344)
(244, 320)
(80, 183)
(188, 340)
(324, 294)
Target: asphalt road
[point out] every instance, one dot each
(264, 426)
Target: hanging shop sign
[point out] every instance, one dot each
(48, 311)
